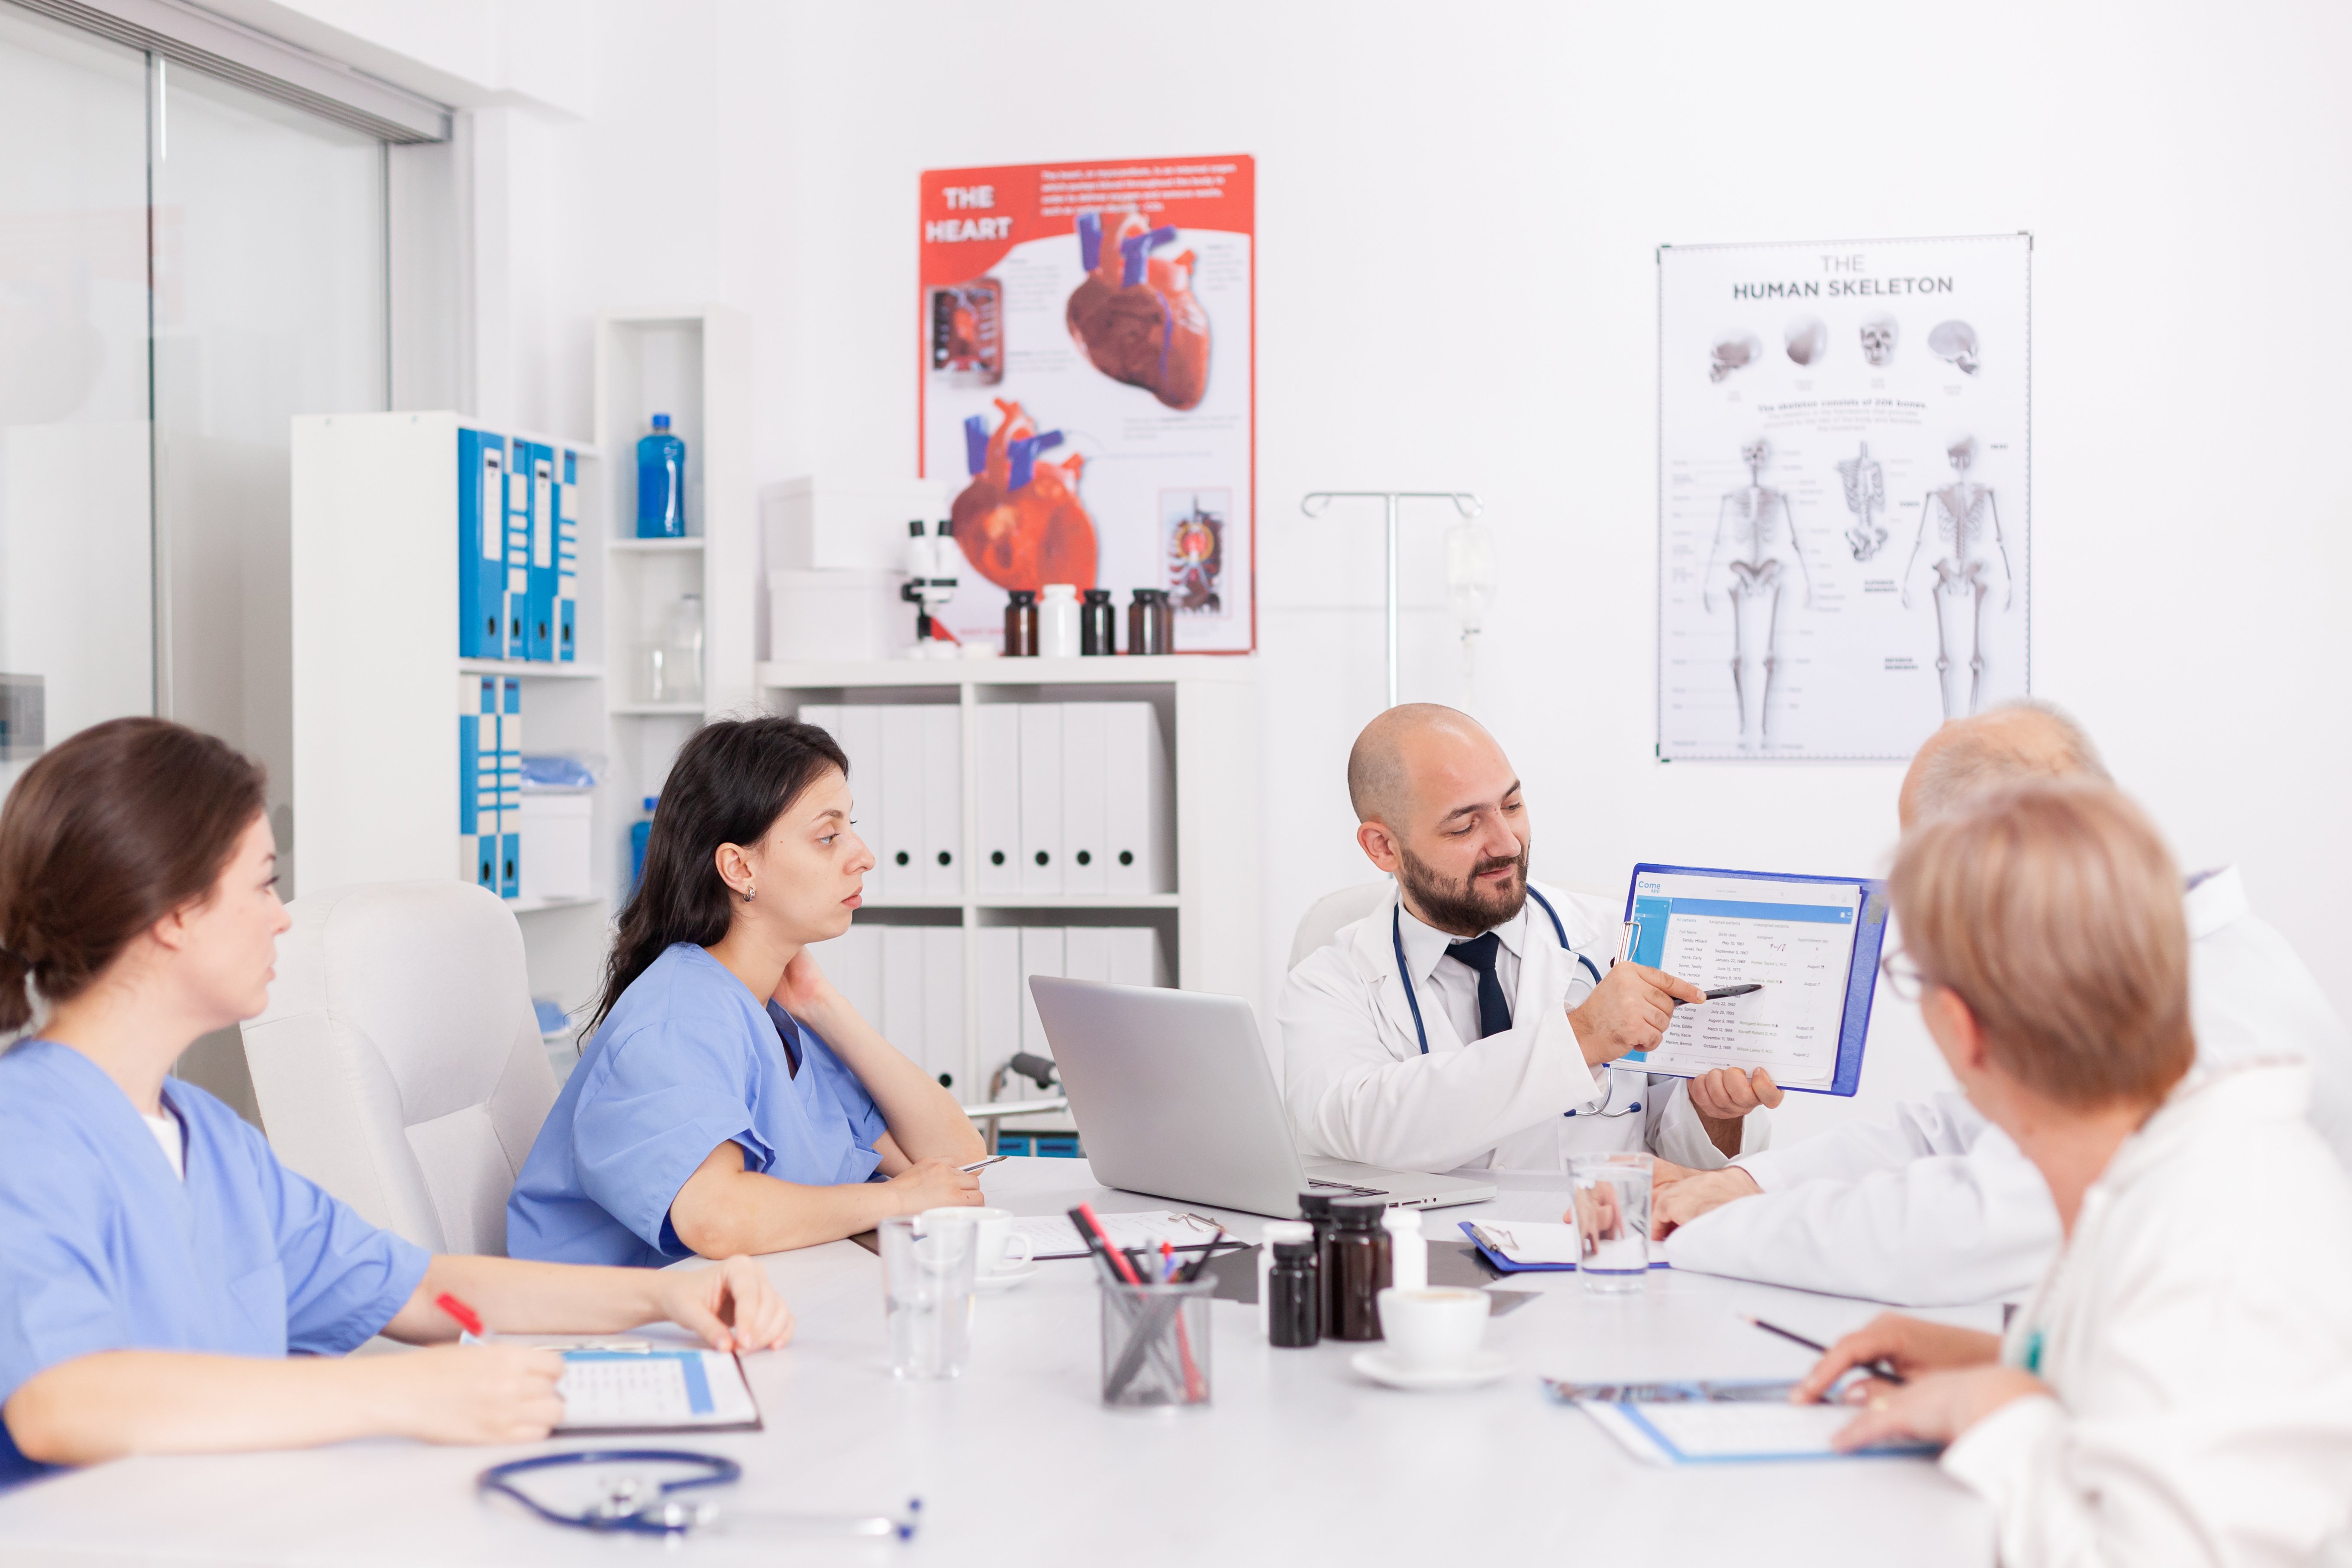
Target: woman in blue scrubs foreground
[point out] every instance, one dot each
(158, 1267)
(730, 1100)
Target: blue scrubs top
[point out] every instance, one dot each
(688, 1059)
(103, 1249)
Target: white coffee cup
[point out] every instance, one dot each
(999, 1250)
(1433, 1330)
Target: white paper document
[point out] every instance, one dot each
(1053, 1235)
(1541, 1244)
(662, 1390)
(1718, 1422)
(1795, 938)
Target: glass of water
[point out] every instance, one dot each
(927, 1296)
(1611, 1204)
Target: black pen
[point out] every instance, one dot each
(1720, 992)
(1878, 1369)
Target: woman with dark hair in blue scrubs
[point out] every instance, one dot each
(730, 1099)
(158, 1266)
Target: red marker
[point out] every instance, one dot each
(467, 1318)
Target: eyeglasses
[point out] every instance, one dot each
(1905, 978)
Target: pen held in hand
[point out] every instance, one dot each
(1878, 1369)
(1721, 992)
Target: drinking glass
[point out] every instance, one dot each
(1612, 1202)
(927, 1285)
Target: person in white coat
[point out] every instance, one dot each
(2177, 1389)
(1469, 1021)
(1938, 1206)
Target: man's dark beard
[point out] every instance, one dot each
(1463, 909)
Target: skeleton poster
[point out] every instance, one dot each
(1087, 339)
(1842, 508)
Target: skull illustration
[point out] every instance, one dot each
(1731, 351)
(1878, 339)
(1962, 452)
(1756, 453)
(1808, 338)
(1957, 342)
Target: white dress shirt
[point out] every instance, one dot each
(2198, 1349)
(1454, 984)
(1937, 1208)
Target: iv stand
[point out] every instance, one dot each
(1464, 502)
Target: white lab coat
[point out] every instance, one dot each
(1938, 1207)
(1360, 1088)
(2196, 1336)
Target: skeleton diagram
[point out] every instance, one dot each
(1756, 549)
(1865, 497)
(1967, 526)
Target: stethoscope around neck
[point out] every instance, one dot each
(1404, 972)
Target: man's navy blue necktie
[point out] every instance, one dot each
(1494, 1007)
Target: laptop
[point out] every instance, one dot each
(1172, 1097)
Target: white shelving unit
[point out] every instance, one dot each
(693, 364)
(374, 557)
(1207, 708)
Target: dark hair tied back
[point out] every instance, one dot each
(102, 837)
(731, 780)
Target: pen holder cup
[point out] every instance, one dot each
(1155, 1344)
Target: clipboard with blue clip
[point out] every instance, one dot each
(1816, 939)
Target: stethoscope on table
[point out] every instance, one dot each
(1404, 972)
(640, 1505)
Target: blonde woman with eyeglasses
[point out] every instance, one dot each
(2179, 1387)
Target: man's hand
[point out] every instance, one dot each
(1936, 1408)
(1724, 1098)
(1628, 1011)
(1912, 1345)
(1700, 1191)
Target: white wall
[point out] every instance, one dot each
(1457, 214)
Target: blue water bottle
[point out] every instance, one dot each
(639, 831)
(661, 483)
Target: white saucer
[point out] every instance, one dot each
(1482, 1368)
(1006, 1281)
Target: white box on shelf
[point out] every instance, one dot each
(998, 957)
(1135, 790)
(1041, 799)
(997, 746)
(846, 523)
(1136, 958)
(904, 996)
(943, 801)
(1084, 860)
(1041, 953)
(1086, 953)
(839, 615)
(943, 1007)
(900, 852)
(558, 844)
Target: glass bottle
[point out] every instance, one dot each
(1097, 623)
(1021, 624)
(1293, 1293)
(682, 651)
(1151, 622)
(1314, 1208)
(1358, 1262)
(661, 483)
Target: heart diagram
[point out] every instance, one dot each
(1019, 521)
(1135, 314)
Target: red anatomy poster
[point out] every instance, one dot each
(1088, 385)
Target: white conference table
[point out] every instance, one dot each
(1298, 1460)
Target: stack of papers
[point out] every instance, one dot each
(1731, 1422)
(1516, 1246)
(1053, 1235)
(655, 1391)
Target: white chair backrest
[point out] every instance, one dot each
(399, 1065)
(1323, 920)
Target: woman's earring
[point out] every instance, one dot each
(750, 892)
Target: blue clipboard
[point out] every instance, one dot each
(1646, 916)
(1505, 1266)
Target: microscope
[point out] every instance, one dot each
(931, 558)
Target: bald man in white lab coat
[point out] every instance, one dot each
(1938, 1207)
(1472, 1018)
